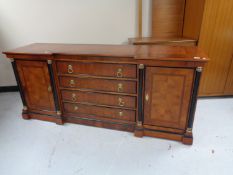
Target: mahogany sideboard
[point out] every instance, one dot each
(148, 90)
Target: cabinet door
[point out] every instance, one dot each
(167, 96)
(35, 79)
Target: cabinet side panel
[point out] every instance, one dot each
(193, 18)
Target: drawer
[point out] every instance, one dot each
(98, 69)
(96, 111)
(98, 98)
(98, 84)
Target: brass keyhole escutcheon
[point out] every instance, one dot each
(72, 83)
(75, 108)
(70, 69)
(121, 102)
(119, 73)
(147, 97)
(49, 89)
(74, 97)
(120, 87)
(121, 113)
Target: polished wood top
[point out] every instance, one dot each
(144, 52)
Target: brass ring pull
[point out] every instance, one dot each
(120, 87)
(75, 108)
(70, 69)
(119, 73)
(74, 97)
(72, 83)
(121, 102)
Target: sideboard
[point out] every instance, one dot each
(148, 90)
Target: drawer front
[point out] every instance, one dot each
(99, 84)
(98, 69)
(95, 111)
(97, 98)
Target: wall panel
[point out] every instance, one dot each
(216, 40)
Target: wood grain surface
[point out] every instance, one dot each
(97, 69)
(193, 18)
(43, 51)
(99, 84)
(167, 18)
(217, 41)
(99, 99)
(35, 80)
(99, 112)
(169, 92)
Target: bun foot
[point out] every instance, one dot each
(26, 116)
(188, 138)
(59, 122)
(138, 132)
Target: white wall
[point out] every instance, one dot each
(146, 18)
(63, 21)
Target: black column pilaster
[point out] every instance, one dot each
(140, 93)
(14, 66)
(53, 86)
(194, 97)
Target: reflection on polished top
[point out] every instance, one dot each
(157, 52)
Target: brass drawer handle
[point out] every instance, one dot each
(147, 97)
(74, 97)
(72, 83)
(121, 102)
(120, 113)
(119, 73)
(120, 87)
(75, 108)
(70, 69)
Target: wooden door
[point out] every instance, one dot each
(35, 80)
(229, 84)
(216, 39)
(167, 96)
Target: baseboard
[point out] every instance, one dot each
(215, 97)
(9, 89)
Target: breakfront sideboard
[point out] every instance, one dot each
(148, 90)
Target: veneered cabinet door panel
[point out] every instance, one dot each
(35, 79)
(167, 96)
